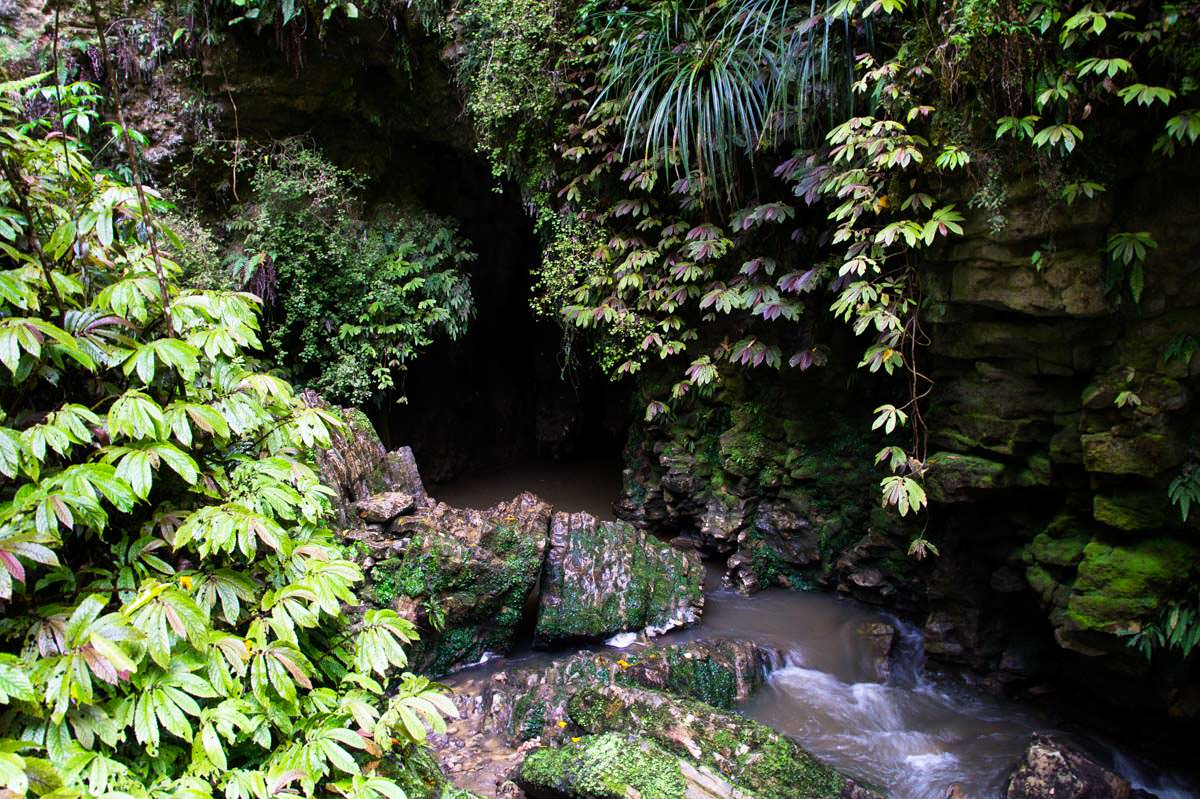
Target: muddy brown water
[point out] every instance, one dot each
(915, 735)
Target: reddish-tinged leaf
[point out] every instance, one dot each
(14, 566)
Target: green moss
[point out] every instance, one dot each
(1119, 585)
(456, 646)
(1062, 552)
(528, 717)
(606, 766)
(704, 679)
(952, 474)
(1130, 511)
(418, 774)
(752, 756)
(657, 579)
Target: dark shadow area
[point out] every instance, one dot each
(381, 102)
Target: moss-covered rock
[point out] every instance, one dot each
(1145, 454)
(1061, 543)
(1119, 585)
(603, 578)
(607, 766)
(753, 757)
(528, 702)
(421, 777)
(954, 477)
(1131, 511)
(467, 575)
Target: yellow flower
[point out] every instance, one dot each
(576, 739)
(561, 724)
(185, 582)
(623, 663)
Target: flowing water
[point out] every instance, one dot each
(914, 735)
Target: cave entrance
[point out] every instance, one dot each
(501, 410)
(499, 404)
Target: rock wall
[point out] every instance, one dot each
(1049, 502)
(1048, 489)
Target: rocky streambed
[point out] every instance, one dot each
(647, 684)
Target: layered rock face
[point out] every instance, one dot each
(1030, 363)
(1049, 499)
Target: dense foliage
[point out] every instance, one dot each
(754, 165)
(174, 606)
(350, 302)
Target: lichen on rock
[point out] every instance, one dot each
(602, 578)
(756, 759)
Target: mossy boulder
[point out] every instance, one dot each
(954, 477)
(1131, 511)
(602, 578)
(466, 575)
(608, 766)
(527, 702)
(1144, 454)
(1118, 585)
(757, 760)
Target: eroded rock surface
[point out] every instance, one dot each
(465, 576)
(753, 758)
(688, 747)
(1051, 769)
(602, 578)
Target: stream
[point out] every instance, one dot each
(917, 735)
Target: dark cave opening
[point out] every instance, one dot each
(505, 393)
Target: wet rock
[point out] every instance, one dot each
(608, 766)
(955, 477)
(740, 570)
(721, 673)
(465, 576)
(724, 516)
(751, 757)
(383, 508)
(880, 637)
(602, 578)
(358, 465)
(504, 714)
(524, 704)
(1050, 769)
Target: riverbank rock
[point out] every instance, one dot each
(358, 465)
(603, 767)
(465, 576)
(602, 578)
(1051, 769)
(527, 702)
(503, 713)
(754, 759)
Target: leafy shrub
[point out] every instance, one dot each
(508, 73)
(352, 302)
(173, 601)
